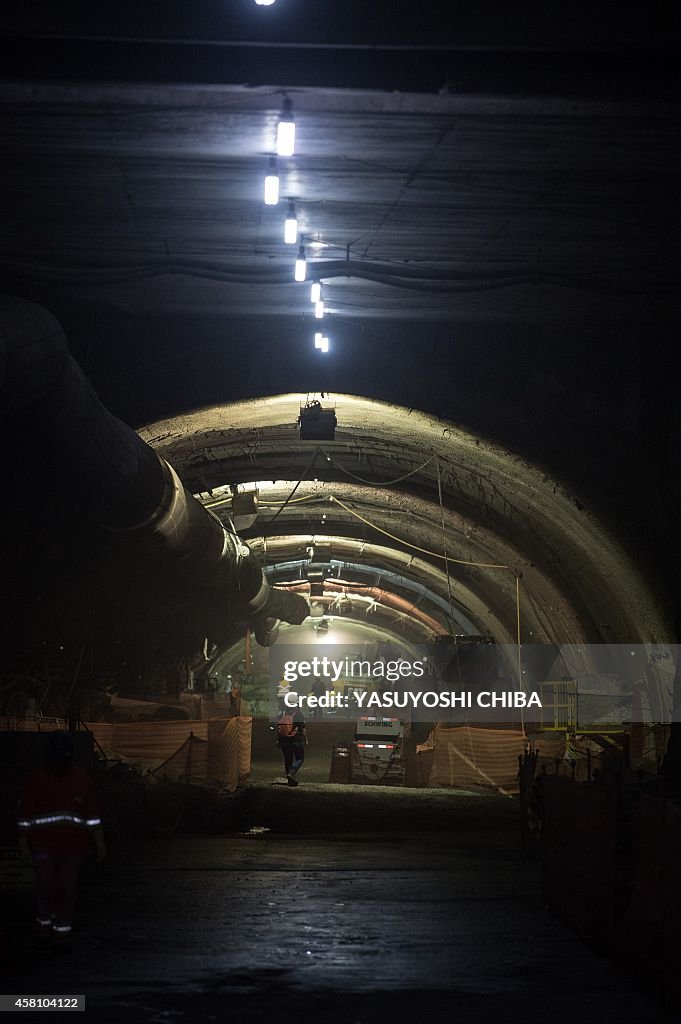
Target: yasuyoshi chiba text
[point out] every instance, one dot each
(391, 699)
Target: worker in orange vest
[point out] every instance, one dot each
(58, 822)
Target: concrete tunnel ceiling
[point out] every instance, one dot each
(577, 583)
(492, 233)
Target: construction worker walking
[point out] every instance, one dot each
(58, 824)
(292, 740)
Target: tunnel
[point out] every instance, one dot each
(338, 385)
(498, 511)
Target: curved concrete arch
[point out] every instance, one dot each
(578, 580)
(373, 575)
(547, 614)
(466, 598)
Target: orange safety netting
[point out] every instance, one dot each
(229, 750)
(146, 741)
(215, 752)
(465, 757)
(165, 799)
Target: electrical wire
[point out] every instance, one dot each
(376, 483)
(265, 504)
(457, 561)
(305, 472)
(444, 556)
(520, 664)
(410, 278)
(444, 540)
(354, 476)
(415, 547)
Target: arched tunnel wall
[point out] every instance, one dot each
(501, 511)
(589, 574)
(591, 403)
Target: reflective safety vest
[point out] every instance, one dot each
(58, 813)
(286, 728)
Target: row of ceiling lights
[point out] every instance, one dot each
(286, 144)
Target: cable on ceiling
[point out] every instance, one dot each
(410, 278)
(447, 559)
(267, 504)
(305, 472)
(376, 483)
(415, 547)
(458, 561)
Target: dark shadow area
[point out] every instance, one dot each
(331, 928)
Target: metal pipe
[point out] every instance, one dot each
(122, 483)
(384, 597)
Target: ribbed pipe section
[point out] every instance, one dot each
(121, 482)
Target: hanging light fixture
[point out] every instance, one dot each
(286, 130)
(272, 183)
(315, 292)
(319, 309)
(321, 342)
(291, 225)
(301, 265)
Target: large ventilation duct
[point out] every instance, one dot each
(123, 484)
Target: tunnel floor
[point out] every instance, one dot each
(327, 928)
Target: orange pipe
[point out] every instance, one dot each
(385, 597)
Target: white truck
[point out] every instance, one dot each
(377, 753)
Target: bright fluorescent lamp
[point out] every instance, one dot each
(319, 309)
(291, 226)
(286, 131)
(321, 342)
(301, 265)
(315, 292)
(272, 183)
(264, 3)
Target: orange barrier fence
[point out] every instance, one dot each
(147, 741)
(464, 756)
(550, 748)
(229, 750)
(219, 752)
(166, 802)
(175, 758)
